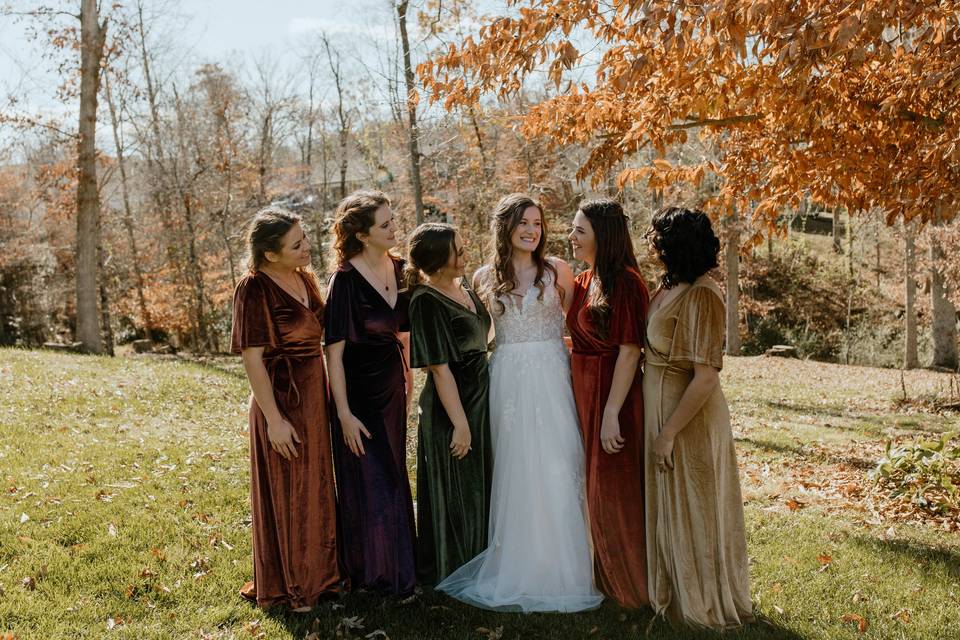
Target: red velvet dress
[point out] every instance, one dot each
(614, 481)
(293, 503)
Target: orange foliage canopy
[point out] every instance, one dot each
(854, 103)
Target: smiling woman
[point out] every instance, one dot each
(278, 330)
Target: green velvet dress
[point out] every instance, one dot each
(453, 496)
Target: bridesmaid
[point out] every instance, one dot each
(367, 333)
(278, 330)
(454, 460)
(606, 322)
(697, 550)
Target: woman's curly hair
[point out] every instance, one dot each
(685, 244)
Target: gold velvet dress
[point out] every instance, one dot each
(696, 548)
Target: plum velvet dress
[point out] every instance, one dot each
(375, 505)
(614, 481)
(697, 554)
(293, 505)
(453, 496)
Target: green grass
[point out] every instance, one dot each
(132, 477)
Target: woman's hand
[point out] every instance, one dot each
(610, 438)
(352, 428)
(460, 442)
(663, 451)
(282, 437)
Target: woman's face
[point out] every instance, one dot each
(582, 239)
(382, 236)
(294, 252)
(526, 236)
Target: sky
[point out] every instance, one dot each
(212, 30)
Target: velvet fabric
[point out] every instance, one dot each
(697, 554)
(292, 501)
(375, 504)
(453, 496)
(614, 481)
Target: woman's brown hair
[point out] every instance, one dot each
(614, 255)
(506, 217)
(431, 245)
(355, 214)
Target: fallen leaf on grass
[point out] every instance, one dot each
(9, 635)
(349, 627)
(158, 554)
(794, 505)
(776, 587)
(253, 628)
(494, 634)
(860, 621)
(379, 633)
(24, 518)
(825, 559)
(903, 616)
(778, 609)
(29, 583)
(112, 530)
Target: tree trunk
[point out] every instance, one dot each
(910, 357)
(88, 197)
(835, 230)
(413, 133)
(944, 324)
(106, 325)
(732, 259)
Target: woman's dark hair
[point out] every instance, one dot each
(685, 244)
(614, 255)
(355, 214)
(430, 247)
(265, 233)
(507, 217)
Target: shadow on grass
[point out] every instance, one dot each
(926, 555)
(226, 364)
(434, 616)
(871, 424)
(801, 452)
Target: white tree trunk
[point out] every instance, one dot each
(944, 324)
(910, 357)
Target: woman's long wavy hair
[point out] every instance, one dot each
(685, 243)
(614, 255)
(430, 246)
(506, 218)
(355, 214)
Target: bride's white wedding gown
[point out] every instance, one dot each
(538, 555)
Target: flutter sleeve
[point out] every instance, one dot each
(699, 335)
(431, 337)
(342, 319)
(628, 310)
(252, 322)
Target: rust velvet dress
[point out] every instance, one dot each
(375, 505)
(293, 502)
(614, 481)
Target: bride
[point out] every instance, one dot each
(538, 547)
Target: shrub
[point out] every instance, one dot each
(926, 472)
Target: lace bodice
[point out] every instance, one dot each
(527, 319)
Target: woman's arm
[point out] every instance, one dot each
(705, 380)
(564, 281)
(624, 373)
(446, 386)
(350, 425)
(280, 432)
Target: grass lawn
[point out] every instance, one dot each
(124, 512)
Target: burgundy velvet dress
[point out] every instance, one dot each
(376, 521)
(293, 505)
(614, 481)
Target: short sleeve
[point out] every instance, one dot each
(699, 334)
(628, 310)
(431, 337)
(342, 319)
(252, 322)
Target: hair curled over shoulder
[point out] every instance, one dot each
(506, 218)
(265, 233)
(614, 255)
(355, 214)
(685, 243)
(430, 247)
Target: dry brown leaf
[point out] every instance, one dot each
(494, 634)
(860, 621)
(794, 505)
(29, 583)
(903, 616)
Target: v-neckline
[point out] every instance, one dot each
(392, 307)
(667, 304)
(475, 311)
(290, 295)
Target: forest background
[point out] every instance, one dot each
(823, 140)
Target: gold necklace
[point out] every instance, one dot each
(292, 290)
(383, 281)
